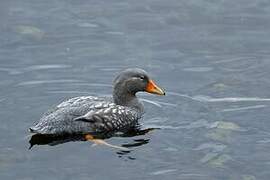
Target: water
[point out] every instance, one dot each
(212, 58)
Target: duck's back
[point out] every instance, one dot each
(86, 114)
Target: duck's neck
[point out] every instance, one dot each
(124, 98)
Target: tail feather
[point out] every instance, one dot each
(33, 129)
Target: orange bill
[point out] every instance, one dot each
(153, 88)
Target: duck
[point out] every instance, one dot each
(93, 115)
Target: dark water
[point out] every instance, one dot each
(212, 57)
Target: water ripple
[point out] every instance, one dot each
(47, 66)
(164, 171)
(229, 99)
(215, 147)
(159, 103)
(93, 84)
(68, 92)
(244, 108)
(11, 71)
(198, 69)
(203, 98)
(36, 82)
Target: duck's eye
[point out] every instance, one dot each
(142, 78)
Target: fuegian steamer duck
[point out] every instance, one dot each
(92, 115)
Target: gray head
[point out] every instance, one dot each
(131, 81)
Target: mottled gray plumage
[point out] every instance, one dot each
(89, 114)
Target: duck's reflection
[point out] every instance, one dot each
(39, 139)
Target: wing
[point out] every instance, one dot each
(112, 118)
(77, 102)
(61, 118)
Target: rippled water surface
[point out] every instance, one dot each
(212, 57)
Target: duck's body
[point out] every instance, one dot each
(88, 114)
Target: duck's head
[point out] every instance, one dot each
(133, 80)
